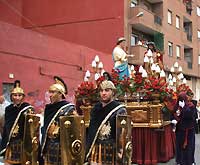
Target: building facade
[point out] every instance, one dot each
(174, 28)
(95, 25)
(40, 39)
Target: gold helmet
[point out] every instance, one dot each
(106, 84)
(17, 89)
(59, 86)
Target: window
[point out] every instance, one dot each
(169, 17)
(134, 39)
(198, 10)
(178, 22)
(198, 34)
(199, 59)
(7, 87)
(178, 51)
(170, 48)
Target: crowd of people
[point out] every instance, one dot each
(101, 133)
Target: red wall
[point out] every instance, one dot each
(34, 59)
(11, 11)
(93, 23)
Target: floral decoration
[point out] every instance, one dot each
(156, 85)
(127, 84)
(86, 91)
(184, 88)
(170, 99)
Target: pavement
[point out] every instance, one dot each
(172, 161)
(197, 151)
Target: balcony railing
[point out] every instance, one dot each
(188, 6)
(149, 23)
(138, 52)
(189, 37)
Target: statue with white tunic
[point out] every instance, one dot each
(120, 55)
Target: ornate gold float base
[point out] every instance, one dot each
(145, 114)
(86, 112)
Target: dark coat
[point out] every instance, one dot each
(51, 113)
(185, 133)
(97, 115)
(11, 114)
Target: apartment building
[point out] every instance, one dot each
(174, 26)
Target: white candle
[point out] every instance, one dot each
(149, 53)
(162, 73)
(141, 69)
(100, 66)
(87, 74)
(176, 65)
(94, 64)
(96, 58)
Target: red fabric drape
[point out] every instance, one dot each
(151, 147)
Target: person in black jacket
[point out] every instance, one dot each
(184, 115)
(50, 145)
(13, 132)
(194, 102)
(101, 135)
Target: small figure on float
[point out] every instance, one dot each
(107, 76)
(154, 55)
(119, 56)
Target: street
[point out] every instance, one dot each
(172, 161)
(197, 151)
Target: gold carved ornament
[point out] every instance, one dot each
(53, 131)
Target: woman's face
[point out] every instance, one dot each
(123, 44)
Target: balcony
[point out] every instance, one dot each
(148, 23)
(187, 40)
(138, 52)
(187, 7)
(187, 66)
(188, 58)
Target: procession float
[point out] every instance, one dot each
(149, 95)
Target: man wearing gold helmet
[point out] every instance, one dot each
(50, 145)
(102, 128)
(13, 132)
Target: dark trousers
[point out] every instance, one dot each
(185, 156)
